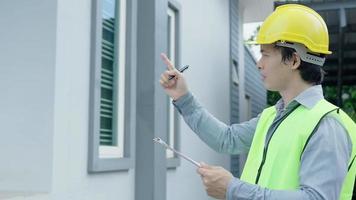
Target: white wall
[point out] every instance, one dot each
(27, 63)
(205, 47)
(71, 180)
(255, 10)
(44, 84)
(69, 100)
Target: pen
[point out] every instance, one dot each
(180, 70)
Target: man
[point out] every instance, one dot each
(301, 148)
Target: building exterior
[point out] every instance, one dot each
(81, 101)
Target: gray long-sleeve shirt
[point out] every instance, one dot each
(324, 162)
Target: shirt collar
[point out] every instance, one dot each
(308, 98)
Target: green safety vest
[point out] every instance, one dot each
(276, 166)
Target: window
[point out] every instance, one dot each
(235, 76)
(109, 88)
(248, 107)
(112, 84)
(172, 115)
(173, 55)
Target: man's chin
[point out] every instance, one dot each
(270, 88)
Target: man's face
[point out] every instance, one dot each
(275, 73)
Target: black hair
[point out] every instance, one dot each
(309, 72)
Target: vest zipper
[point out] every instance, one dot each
(266, 147)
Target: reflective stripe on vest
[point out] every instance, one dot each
(279, 167)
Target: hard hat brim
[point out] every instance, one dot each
(251, 42)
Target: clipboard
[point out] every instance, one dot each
(163, 143)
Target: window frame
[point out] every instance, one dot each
(234, 74)
(171, 50)
(172, 160)
(105, 158)
(248, 101)
(117, 151)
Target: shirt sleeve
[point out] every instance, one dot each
(223, 138)
(324, 166)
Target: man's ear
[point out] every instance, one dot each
(296, 61)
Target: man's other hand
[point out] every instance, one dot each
(216, 180)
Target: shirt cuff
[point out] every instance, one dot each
(185, 104)
(238, 189)
(231, 188)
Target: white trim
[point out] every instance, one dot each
(118, 150)
(172, 28)
(171, 128)
(171, 123)
(110, 152)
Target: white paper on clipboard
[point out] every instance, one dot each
(160, 141)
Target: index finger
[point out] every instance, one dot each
(206, 166)
(167, 62)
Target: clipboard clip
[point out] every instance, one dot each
(163, 143)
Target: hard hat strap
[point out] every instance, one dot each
(303, 53)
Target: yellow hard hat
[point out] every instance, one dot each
(295, 23)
